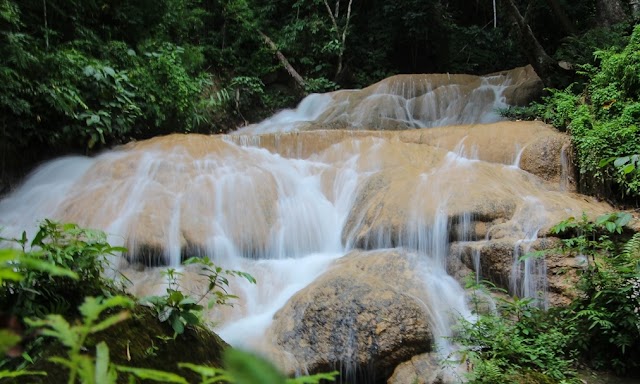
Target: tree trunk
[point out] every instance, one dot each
(610, 12)
(547, 68)
(341, 37)
(283, 60)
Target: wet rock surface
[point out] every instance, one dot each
(361, 317)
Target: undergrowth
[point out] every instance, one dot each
(521, 343)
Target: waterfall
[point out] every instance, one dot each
(286, 199)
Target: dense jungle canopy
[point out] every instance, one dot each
(81, 75)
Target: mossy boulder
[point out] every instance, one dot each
(141, 341)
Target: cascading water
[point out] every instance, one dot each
(287, 206)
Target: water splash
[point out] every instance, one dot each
(529, 272)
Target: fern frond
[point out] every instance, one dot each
(631, 249)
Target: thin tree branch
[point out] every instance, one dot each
(283, 60)
(46, 26)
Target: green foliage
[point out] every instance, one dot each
(172, 92)
(81, 366)
(61, 264)
(579, 49)
(522, 343)
(14, 263)
(319, 85)
(247, 368)
(603, 121)
(87, 86)
(181, 310)
(475, 49)
(517, 342)
(240, 367)
(607, 312)
(591, 238)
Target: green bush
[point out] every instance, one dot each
(171, 92)
(607, 312)
(81, 252)
(603, 120)
(518, 343)
(180, 309)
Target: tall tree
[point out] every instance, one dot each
(340, 34)
(545, 66)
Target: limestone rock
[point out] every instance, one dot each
(361, 317)
(421, 369)
(497, 257)
(547, 157)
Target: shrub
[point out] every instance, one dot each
(603, 120)
(66, 247)
(520, 343)
(607, 312)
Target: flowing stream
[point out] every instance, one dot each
(283, 203)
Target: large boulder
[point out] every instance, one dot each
(363, 317)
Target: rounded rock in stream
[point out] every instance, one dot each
(363, 317)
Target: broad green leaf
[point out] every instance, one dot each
(152, 374)
(604, 162)
(37, 240)
(109, 321)
(604, 218)
(190, 318)
(188, 301)
(6, 374)
(247, 368)
(176, 296)
(165, 314)
(623, 219)
(104, 373)
(177, 325)
(611, 227)
(628, 169)
(89, 70)
(620, 161)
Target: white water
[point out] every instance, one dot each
(289, 120)
(288, 235)
(410, 103)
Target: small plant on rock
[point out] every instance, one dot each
(180, 309)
